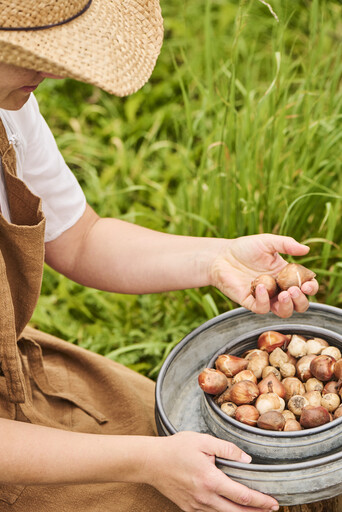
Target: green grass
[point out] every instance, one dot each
(238, 132)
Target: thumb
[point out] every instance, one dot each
(230, 451)
(288, 245)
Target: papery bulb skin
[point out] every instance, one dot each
(291, 359)
(212, 381)
(255, 353)
(333, 352)
(229, 408)
(296, 404)
(278, 357)
(294, 274)
(287, 370)
(271, 369)
(270, 340)
(313, 384)
(244, 375)
(333, 386)
(271, 420)
(297, 346)
(269, 402)
(316, 345)
(303, 367)
(220, 398)
(338, 413)
(322, 367)
(247, 414)
(268, 281)
(257, 361)
(330, 401)
(312, 417)
(244, 392)
(338, 369)
(230, 365)
(293, 386)
(288, 415)
(314, 398)
(292, 426)
(271, 384)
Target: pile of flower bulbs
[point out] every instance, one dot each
(288, 383)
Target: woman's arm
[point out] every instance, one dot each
(117, 256)
(36, 455)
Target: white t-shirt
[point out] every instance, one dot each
(43, 169)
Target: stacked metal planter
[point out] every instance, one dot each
(294, 467)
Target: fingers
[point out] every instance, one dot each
(289, 301)
(242, 497)
(284, 306)
(209, 489)
(262, 299)
(227, 450)
(310, 287)
(261, 304)
(299, 299)
(221, 504)
(294, 299)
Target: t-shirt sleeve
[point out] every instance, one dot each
(47, 175)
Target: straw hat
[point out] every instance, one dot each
(113, 44)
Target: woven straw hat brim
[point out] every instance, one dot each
(114, 45)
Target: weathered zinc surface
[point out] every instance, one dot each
(302, 486)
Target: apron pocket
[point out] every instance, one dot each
(10, 493)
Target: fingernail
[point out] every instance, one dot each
(295, 294)
(245, 458)
(262, 289)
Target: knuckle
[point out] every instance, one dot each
(261, 309)
(207, 486)
(302, 309)
(203, 500)
(231, 448)
(245, 498)
(265, 310)
(284, 314)
(198, 499)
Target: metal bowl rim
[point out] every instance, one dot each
(294, 466)
(302, 329)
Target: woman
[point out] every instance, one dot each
(77, 431)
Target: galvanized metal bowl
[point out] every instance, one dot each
(303, 477)
(265, 445)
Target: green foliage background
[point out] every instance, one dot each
(238, 132)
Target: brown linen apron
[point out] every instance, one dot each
(47, 381)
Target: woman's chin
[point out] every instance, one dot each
(15, 101)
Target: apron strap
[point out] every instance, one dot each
(34, 354)
(9, 355)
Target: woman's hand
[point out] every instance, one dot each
(243, 259)
(182, 467)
